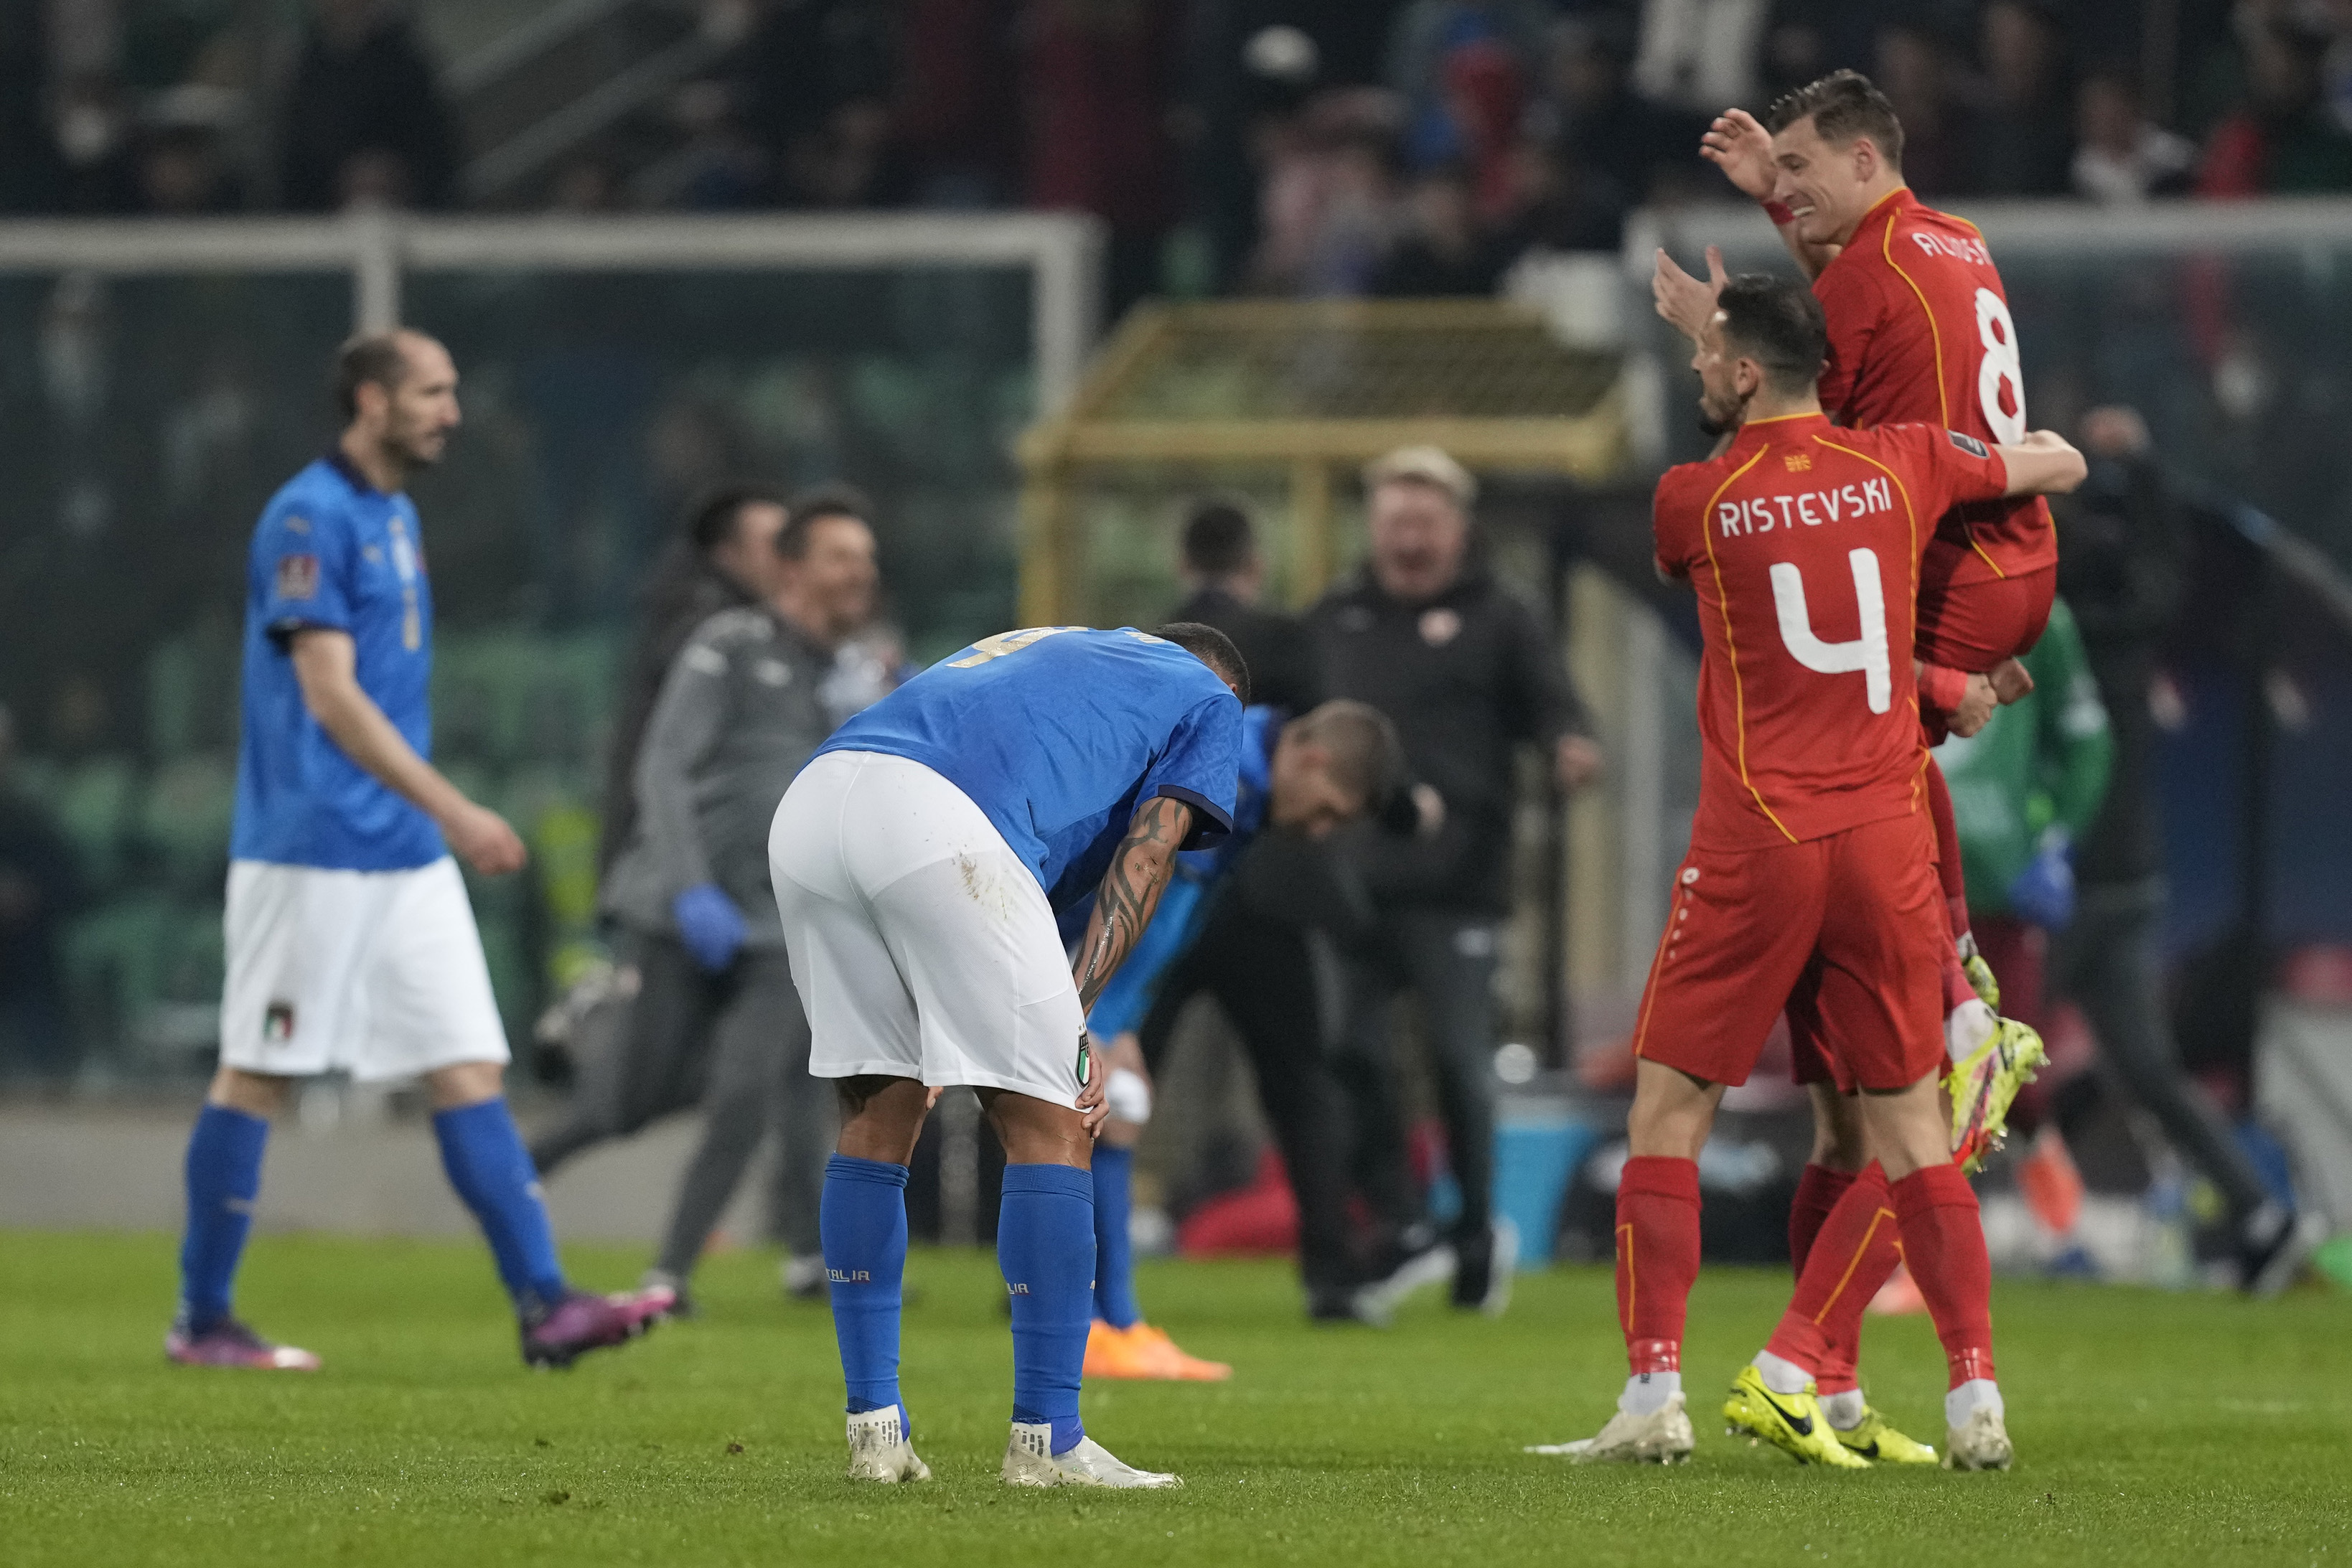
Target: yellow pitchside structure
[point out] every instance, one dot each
(1305, 391)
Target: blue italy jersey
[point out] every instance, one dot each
(1184, 907)
(1059, 734)
(335, 553)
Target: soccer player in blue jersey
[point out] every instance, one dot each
(1304, 777)
(350, 940)
(918, 862)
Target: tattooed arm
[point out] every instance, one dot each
(1130, 891)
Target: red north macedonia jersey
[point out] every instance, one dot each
(1919, 331)
(1803, 541)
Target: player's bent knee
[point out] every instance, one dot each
(881, 1117)
(1038, 1132)
(463, 1083)
(255, 1094)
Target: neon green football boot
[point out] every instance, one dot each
(1877, 1440)
(1982, 1086)
(1792, 1423)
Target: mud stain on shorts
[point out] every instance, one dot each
(984, 886)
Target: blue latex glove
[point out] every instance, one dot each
(709, 925)
(2044, 892)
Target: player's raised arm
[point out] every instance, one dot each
(2044, 463)
(325, 665)
(1738, 144)
(1130, 891)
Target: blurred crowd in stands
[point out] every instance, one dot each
(1310, 146)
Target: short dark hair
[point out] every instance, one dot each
(1367, 758)
(370, 357)
(808, 506)
(712, 517)
(1213, 648)
(1777, 322)
(1218, 539)
(1844, 104)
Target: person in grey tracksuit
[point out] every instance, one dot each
(750, 696)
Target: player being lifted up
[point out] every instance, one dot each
(918, 862)
(349, 941)
(1811, 882)
(1918, 330)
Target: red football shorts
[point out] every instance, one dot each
(1973, 626)
(1849, 930)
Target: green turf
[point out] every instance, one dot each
(2153, 1429)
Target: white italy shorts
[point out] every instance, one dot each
(922, 946)
(376, 972)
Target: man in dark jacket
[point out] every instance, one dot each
(1226, 576)
(2123, 566)
(1468, 674)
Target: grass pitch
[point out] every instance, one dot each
(2152, 1429)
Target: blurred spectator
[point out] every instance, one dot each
(1325, 202)
(2022, 142)
(91, 124)
(1700, 54)
(183, 164)
(366, 122)
(1607, 130)
(1560, 205)
(818, 76)
(1911, 68)
(2122, 157)
(720, 167)
(36, 892)
(2282, 137)
(1440, 251)
(959, 103)
(1099, 78)
(1453, 59)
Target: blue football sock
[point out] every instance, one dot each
(1115, 1300)
(862, 1222)
(1045, 1245)
(492, 1172)
(223, 1176)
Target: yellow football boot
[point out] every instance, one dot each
(1983, 1084)
(1876, 1439)
(1792, 1423)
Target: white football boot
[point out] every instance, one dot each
(1979, 1443)
(1030, 1461)
(879, 1450)
(1661, 1437)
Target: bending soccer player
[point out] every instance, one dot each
(918, 862)
(1919, 330)
(350, 940)
(1811, 882)
(1302, 778)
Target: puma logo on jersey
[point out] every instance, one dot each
(1762, 514)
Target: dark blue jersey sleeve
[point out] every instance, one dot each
(1201, 768)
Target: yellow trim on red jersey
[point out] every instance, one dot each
(1731, 647)
(1934, 334)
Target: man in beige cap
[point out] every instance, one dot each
(1469, 672)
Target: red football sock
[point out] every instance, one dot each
(1956, 989)
(1818, 1191)
(1857, 1250)
(1943, 1241)
(1947, 850)
(1657, 1258)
